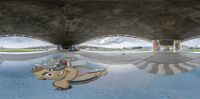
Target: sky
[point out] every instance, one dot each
(117, 42)
(192, 43)
(21, 42)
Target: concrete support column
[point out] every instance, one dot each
(156, 45)
(176, 45)
(59, 47)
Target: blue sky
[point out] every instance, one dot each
(21, 42)
(117, 42)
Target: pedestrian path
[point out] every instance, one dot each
(167, 64)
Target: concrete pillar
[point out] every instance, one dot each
(176, 45)
(156, 45)
(59, 47)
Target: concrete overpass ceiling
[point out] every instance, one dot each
(30, 18)
(164, 21)
(75, 21)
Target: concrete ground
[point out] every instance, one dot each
(123, 81)
(23, 56)
(164, 63)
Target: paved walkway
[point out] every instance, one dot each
(7, 56)
(115, 58)
(164, 63)
(169, 63)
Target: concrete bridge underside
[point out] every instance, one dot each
(75, 21)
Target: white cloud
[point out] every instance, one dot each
(21, 42)
(117, 42)
(192, 43)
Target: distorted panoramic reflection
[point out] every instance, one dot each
(162, 57)
(15, 42)
(99, 49)
(192, 45)
(117, 43)
(14, 47)
(98, 65)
